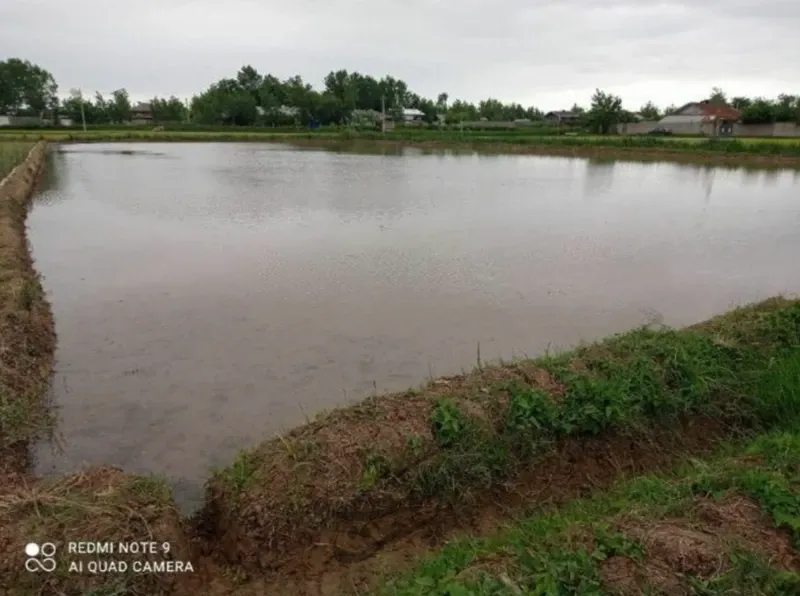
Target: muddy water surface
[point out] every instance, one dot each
(208, 296)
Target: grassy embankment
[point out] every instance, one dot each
(763, 150)
(727, 526)
(449, 444)
(311, 510)
(26, 329)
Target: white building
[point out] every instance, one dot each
(410, 115)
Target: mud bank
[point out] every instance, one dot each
(26, 324)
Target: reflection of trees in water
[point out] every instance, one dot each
(706, 178)
(771, 177)
(53, 179)
(705, 174)
(599, 176)
(760, 176)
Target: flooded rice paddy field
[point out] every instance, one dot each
(208, 296)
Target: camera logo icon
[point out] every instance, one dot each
(40, 557)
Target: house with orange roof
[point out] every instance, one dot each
(707, 118)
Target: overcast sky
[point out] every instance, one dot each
(543, 53)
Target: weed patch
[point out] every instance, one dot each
(653, 534)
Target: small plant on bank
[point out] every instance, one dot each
(242, 472)
(376, 466)
(414, 445)
(448, 422)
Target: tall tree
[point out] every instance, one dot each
(119, 108)
(649, 111)
(740, 103)
(26, 88)
(718, 97)
(605, 112)
(168, 110)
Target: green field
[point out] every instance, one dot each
(12, 153)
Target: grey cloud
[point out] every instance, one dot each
(538, 53)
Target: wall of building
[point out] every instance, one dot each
(779, 129)
(678, 128)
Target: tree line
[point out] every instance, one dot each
(254, 99)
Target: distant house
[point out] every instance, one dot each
(64, 121)
(562, 117)
(142, 113)
(413, 116)
(5, 120)
(703, 114)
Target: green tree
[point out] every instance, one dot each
(740, 103)
(100, 111)
(649, 111)
(441, 102)
(718, 97)
(787, 108)
(119, 108)
(759, 111)
(250, 81)
(168, 110)
(26, 88)
(605, 112)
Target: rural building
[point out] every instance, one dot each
(702, 117)
(65, 121)
(413, 116)
(562, 117)
(5, 120)
(142, 113)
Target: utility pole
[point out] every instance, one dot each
(383, 114)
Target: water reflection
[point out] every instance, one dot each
(599, 178)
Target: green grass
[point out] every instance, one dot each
(541, 555)
(742, 375)
(775, 147)
(11, 154)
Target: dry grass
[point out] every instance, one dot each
(698, 546)
(98, 505)
(27, 336)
